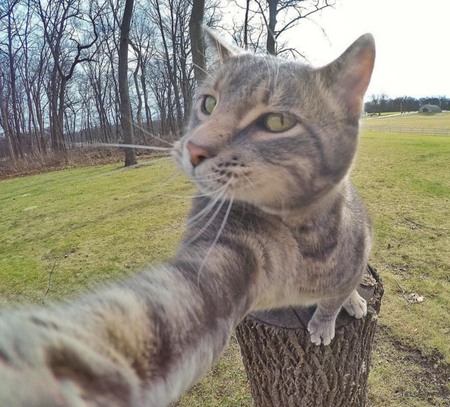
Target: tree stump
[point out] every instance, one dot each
(286, 370)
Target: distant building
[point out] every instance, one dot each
(430, 109)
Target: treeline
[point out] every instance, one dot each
(59, 72)
(59, 66)
(382, 103)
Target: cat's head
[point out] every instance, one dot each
(275, 133)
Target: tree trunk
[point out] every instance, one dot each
(271, 38)
(125, 105)
(197, 39)
(247, 9)
(140, 127)
(286, 370)
(13, 91)
(148, 113)
(5, 122)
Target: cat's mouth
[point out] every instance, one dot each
(225, 174)
(227, 178)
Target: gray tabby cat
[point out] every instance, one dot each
(276, 222)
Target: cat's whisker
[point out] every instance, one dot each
(207, 209)
(249, 181)
(204, 212)
(208, 223)
(219, 233)
(205, 194)
(168, 181)
(164, 160)
(218, 190)
(180, 196)
(207, 178)
(118, 145)
(147, 133)
(198, 195)
(205, 71)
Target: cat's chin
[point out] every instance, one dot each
(289, 215)
(296, 212)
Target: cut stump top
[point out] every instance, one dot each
(370, 289)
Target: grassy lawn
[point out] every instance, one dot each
(405, 181)
(411, 120)
(74, 228)
(64, 231)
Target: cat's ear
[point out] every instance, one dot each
(223, 48)
(349, 75)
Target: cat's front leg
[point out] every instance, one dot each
(355, 305)
(322, 324)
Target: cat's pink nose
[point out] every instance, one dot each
(196, 153)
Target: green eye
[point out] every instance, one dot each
(278, 122)
(209, 104)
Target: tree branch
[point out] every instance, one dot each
(9, 10)
(301, 16)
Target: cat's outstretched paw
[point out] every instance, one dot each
(355, 305)
(321, 331)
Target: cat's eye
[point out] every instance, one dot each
(209, 104)
(278, 122)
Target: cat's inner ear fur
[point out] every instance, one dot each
(223, 48)
(349, 75)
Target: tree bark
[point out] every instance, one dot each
(197, 39)
(271, 36)
(286, 370)
(139, 129)
(247, 9)
(125, 105)
(5, 122)
(13, 90)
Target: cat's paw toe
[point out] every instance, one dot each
(356, 306)
(321, 333)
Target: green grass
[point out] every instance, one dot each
(81, 226)
(405, 181)
(64, 231)
(412, 121)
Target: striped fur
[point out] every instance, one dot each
(276, 223)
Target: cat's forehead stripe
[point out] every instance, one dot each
(235, 80)
(261, 80)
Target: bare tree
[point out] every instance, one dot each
(125, 105)
(278, 16)
(14, 128)
(143, 43)
(59, 63)
(110, 23)
(13, 84)
(169, 18)
(60, 21)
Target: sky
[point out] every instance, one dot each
(412, 39)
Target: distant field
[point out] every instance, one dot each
(409, 122)
(64, 231)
